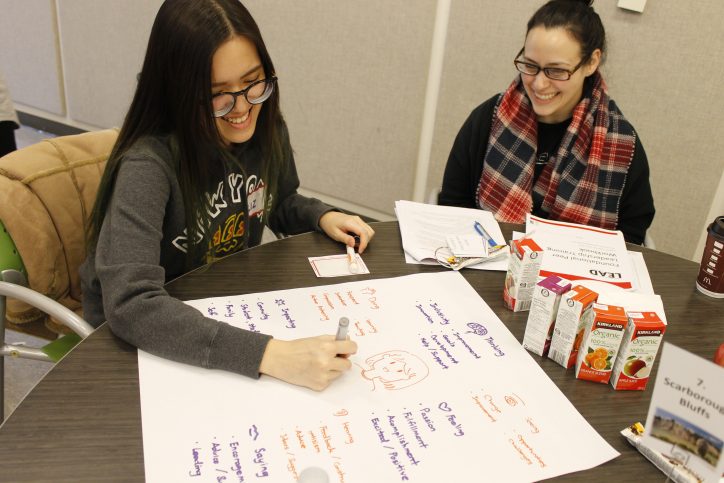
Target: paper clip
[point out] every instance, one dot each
(447, 259)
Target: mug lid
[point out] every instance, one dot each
(718, 225)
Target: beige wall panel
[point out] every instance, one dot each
(29, 54)
(352, 77)
(482, 39)
(103, 44)
(659, 70)
(664, 75)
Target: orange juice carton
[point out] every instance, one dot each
(641, 342)
(543, 309)
(601, 342)
(523, 267)
(570, 324)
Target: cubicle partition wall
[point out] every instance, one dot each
(374, 92)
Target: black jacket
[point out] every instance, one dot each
(465, 166)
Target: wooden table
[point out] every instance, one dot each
(83, 420)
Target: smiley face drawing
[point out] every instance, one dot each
(394, 369)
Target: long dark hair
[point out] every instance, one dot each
(576, 16)
(173, 97)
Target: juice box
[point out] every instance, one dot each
(601, 342)
(542, 316)
(641, 342)
(525, 260)
(569, 326)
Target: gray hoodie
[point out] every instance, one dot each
(142, 245)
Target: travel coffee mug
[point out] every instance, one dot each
(711, 272)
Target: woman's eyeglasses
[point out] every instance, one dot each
(555, 73)
(255, 93)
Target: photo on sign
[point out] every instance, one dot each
(691, 438)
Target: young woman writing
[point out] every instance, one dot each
(202, 163)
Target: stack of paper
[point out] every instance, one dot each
(578, 252)
(429, 232)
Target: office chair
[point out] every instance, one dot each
(47, 192)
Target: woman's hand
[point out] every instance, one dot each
(312, 362)
(338, 226)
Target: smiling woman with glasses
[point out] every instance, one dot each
(554, 143)
(202, 165)
(255, 93)
(555, 73)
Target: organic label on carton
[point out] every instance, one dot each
(570, 325)
(636, 357)
(601, 342)
(542, 316)
(522, 275)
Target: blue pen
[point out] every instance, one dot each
(481, 231)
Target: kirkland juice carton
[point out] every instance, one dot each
(641, 342)
(569, 327)
(601, 342)
(525, 259)
(543, 309)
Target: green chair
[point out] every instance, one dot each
(13, 281)
(47, 191)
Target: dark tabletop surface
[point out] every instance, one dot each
(82, 422)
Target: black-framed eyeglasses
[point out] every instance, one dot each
(555, 73)
(255, 93)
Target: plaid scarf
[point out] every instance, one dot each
(582, 183)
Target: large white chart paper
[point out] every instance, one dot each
(440, 390)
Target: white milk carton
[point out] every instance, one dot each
(523, 267)
(543, 311)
